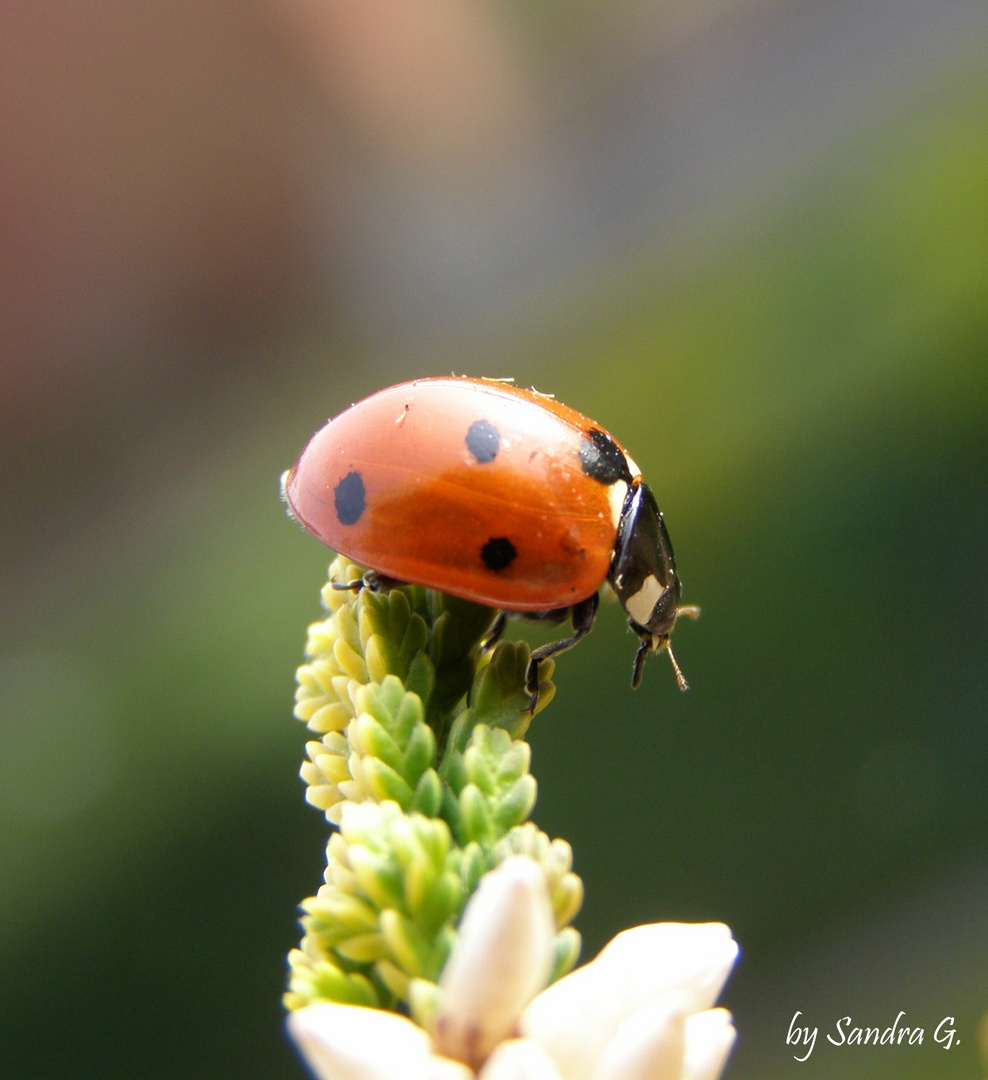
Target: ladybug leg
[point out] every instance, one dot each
(582, 615)
(636, 675)
(496, 631)
(371, 580)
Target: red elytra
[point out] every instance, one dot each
(496, 494)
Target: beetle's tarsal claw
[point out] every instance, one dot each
(532, 685)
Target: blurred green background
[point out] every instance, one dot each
(752, 241)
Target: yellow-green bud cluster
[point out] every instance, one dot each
(422, 766)
(384, 916)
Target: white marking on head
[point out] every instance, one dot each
(642, 604)
(632, 467)
(616, 494)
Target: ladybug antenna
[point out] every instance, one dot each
(680, 678)
(691, 611)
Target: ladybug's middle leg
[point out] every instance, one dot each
(496, 631)
(582, 616)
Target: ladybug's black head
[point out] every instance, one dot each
(643, 576)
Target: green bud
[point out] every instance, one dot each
(314, 979)
(369, 736)
(420, 876)
(453, 768)
(449, 810)
(475, 818)
(527, 839)
(415, 637)
(443, 901)
(402, 841)
(378, 878)
(339, 876)
(567, 898)
(513, 759)
(555, 857)
(329, 756)
(384, 783)
(441, 948)
(499, 695)
(344, 688)
(424, 1001)
(477, 769)
(473, 865)
(419, 753)
(428, 795)
(547, 689)
(434, 838)
(350, 660)
(382, 660)
(347, 626)
(322, 798)
(501, 681)
(394, 979)
(421, 678)
(565, 952)
(362, 948)
(516, 804)
(456, 743)
(407, 948)
(320, 718)
(351, 913)
(406, 709)
(457, 630)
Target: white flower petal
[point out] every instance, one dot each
(694, 957)
(348, 1042)
(709, 1038)
(647, 1046)
(502, 958)
(577, 1017)
(441, 1068)
(519, 1059)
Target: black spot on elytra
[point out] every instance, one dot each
(498, 553)
(483, 441)
(602, 459)
(349, 498)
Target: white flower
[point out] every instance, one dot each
(642, 1010)
(501, 960)
(349, 1042)
(634, 999)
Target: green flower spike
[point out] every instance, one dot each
(420, 762)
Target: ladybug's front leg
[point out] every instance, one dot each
(582, 616)
(372, 580)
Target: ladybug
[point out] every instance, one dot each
(495, 494)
